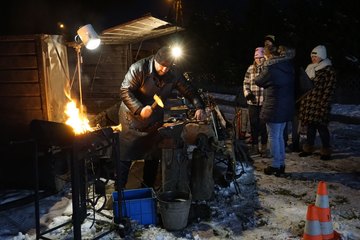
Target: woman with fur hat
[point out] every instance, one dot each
(315, 106)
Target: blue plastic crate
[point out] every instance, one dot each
(137, 204)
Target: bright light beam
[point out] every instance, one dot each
(176, 52)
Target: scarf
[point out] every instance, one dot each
(313, 67)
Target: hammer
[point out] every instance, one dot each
(157, 101)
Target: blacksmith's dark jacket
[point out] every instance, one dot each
(138, 88)
(278, 80)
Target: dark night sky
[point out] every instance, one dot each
(225, 32)
(41, 16)
(36, 16)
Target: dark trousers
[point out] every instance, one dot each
(286, 134)
(135, 145)
(258, 127)
(323, 132)
(295, 136)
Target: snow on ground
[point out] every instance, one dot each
(346, 110)
(266, 207)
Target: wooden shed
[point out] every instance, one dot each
(103, 70)
(36, 70)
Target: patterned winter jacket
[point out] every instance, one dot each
(316, 105)
(249, 85)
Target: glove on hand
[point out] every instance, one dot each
(251, 97)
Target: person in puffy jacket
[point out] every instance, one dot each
(139, 137)
(278, 80)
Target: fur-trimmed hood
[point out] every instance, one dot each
(288, 54)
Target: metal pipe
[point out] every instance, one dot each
(79, 62)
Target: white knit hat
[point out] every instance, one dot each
(319, 51)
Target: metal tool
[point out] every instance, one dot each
(157, 101)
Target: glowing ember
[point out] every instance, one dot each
(79, 123)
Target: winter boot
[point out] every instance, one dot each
(273, 171)
(307, 150)
(282, 169)
(325, 154)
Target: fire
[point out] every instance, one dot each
(77, 121)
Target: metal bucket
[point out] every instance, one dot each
(174, 209)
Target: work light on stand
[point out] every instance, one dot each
(91, 40)
(89, 37)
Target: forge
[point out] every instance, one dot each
(85, 155)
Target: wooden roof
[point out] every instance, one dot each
(141, 29)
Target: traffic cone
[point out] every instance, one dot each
(322, 204)
(312, 229)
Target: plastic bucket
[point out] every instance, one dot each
(174, 209)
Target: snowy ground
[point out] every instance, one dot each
(267, 207)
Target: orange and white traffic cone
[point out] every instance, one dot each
(312, 229)
(322, 204)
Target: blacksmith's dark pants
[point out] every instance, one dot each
(136, 145)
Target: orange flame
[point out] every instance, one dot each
(77, 121)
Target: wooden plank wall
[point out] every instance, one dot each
(32, 82)
(20, 90)
(103, 71)
(102, 74)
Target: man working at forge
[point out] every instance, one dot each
(140, 117)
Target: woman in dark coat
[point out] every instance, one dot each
(315, 106)
(278, 79)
